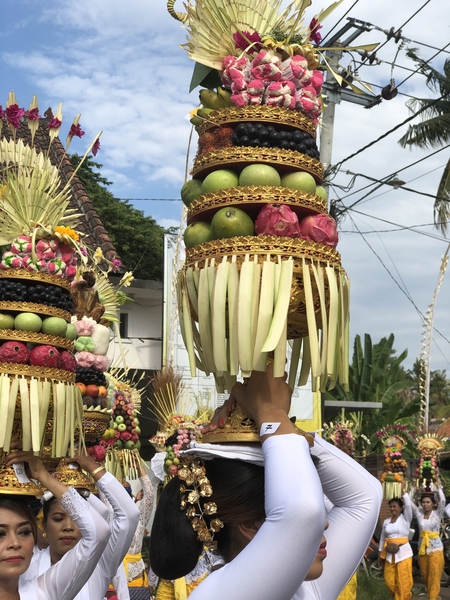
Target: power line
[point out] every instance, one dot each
(340, 21)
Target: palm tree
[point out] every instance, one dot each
(434, 130)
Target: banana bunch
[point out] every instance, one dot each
(215, 99)
(231, 318)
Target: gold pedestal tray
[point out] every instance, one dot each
(238, 157)
(38, 372)
(252, 199)
(271, 115)
(36, 338)
(238, 428)
(50, 462)
(73, 477)
(37, 276)
(9, 484)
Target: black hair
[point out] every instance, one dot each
(399, 501)
(238, 491)
(46, 505)
(21, 508)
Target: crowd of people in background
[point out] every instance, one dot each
(239, 521)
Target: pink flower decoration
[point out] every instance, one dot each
(255, 90)
(96, 147)
(76, 131)
(33, 114)
(14, 114)
(314, 35)
(319, 228)
(54, 123)
(245, 39)
(116, 264)
(280, 93)
(266, 66)
(317, 81)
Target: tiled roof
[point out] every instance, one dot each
(95, 235)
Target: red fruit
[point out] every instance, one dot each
(44, 356)
(67, 361)
(14, 352)
(319, 228)
(276, 219)
(92, 390)
(82, 387)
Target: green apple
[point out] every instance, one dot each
(28, 322)
(129, 445)
(121, 427)
(71, 332)
(219, 180)
(230, 222)
(322, 193)
(54, 326)
(197, 233)
(6, 321)
(191, 190)
(299, 180)
(120, 419)
(259, 175)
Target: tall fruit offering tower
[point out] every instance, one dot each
(261, 265)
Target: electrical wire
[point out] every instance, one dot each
(340, 21)
(425, 62)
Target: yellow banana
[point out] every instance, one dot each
(204, 112)
(225, 97)
(210, 99)
(196, 121)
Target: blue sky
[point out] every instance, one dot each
(119, 64)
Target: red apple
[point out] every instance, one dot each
(92, 390)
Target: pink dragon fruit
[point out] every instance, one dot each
(66, 360)
(319, 228)
(276, 219)
(44, 356)
(14, 352)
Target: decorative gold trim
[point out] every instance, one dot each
(240, 156)
(75, 478)
(49, 461)
(262, 246)
(94, 424)
(42, 372)
(262, 114)
(37, 276)
(41, 309)
(252, 199)
(238, 428)
(10, 485)
(36, 338)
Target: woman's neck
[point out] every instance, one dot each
(54, 556)
(9, 588)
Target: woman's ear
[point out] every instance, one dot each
(248, 529)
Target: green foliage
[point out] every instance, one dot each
(439, 390)
(138, 239)
(376, 375)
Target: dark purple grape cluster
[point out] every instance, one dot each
(41, 293)
(90, 376)
(258, 135)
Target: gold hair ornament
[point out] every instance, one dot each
(197, 486)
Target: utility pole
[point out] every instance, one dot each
(334, 93)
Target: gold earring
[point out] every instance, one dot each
(44, 535)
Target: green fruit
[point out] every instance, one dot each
(191, 190)
(204, 112)
(219, 180)
(119, 445)
(6, 321)
(121, 427)
(28, 322)
(168, 462)
(54, 326)
(115, 425)
(259, 174)
(138, 430)
(176, 461)
(321, 192)
(137, 445)
(119, 419)
(299, 180)
(230, 222)
(171, 455)
(129, 445)
(71, 332)
(197, 233)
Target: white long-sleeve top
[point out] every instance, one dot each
(275, 563)
(66, 578)
(121, 528)
(135, 569)
(399, 529)
(433, 523)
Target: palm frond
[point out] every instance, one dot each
(107, 295)
(442, 203)
(431, 133)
